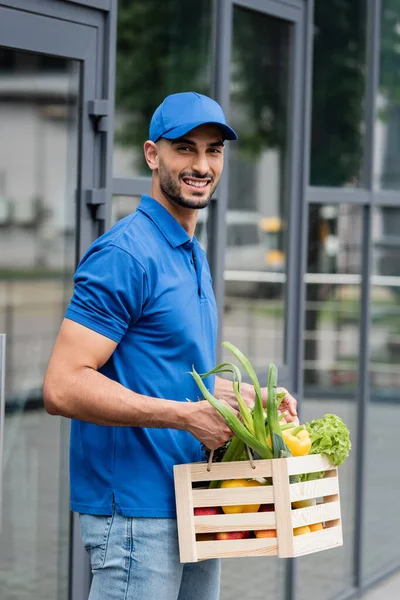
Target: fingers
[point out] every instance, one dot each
(289, 402)
(209, 426)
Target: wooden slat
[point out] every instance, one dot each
(280, 478)
(239, 522)
(309, 464)
(331, 499)
(315, 514)
(318, 540)
(231, 470)
(237, 548)
(231, 496)
(314, 489)
(184, 513)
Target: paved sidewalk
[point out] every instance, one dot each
(387, 590)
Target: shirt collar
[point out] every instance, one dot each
(164, 221)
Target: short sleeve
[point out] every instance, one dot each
(109, 293)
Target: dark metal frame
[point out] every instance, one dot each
(96, 184)
(85, 31)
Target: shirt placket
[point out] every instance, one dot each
(196, 260)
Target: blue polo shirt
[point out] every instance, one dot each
(146, 285)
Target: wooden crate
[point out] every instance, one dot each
(283, 519)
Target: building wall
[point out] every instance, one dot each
(343, 315)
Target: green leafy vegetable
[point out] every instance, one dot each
(329, 436)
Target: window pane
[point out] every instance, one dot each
(331, 368)
(122, 206)
(252, 578)
(387, 138)
(258, 193)
(39, 125)
(333, 298)
(162, 48)
(338, 93)
(382, 528)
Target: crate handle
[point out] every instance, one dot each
(210, 459)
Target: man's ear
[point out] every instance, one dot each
(151, 154)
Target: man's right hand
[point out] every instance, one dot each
(207, 425)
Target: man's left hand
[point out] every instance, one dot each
(288, 406)
(223, 391)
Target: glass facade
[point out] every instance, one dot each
(381, 527)
(327, 217)
(39, 100)
(387, 154)
(338, 93)
(257, 216)
(331, 367)
(157, 54)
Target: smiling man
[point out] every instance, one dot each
(142, 313)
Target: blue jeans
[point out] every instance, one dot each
(136, 558)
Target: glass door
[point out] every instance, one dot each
(261, 290)
(264, 186)
(43, 89)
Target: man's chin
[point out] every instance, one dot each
(194, 201)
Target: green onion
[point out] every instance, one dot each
(279, 447)
(232, 420)
(233, 452)
(258, 412)
(244, 410)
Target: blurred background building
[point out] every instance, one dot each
(303, 239)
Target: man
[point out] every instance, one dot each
(142, 313)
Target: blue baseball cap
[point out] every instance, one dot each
(180, 113)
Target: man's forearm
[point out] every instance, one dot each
(88, 395)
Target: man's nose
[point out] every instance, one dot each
(200, 164)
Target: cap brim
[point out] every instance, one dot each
(182, 130)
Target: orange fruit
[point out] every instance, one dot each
(316, 527)
(265, 533)
(301, 530)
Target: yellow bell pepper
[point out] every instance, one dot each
(297, 440)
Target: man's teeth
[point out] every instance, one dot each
(196, 183)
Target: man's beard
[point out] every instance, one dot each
(172, 191)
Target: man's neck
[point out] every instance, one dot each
(186, 217)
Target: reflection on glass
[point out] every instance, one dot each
(38, 174)
(331, 369)
(162, 48)
(252, 578)
(255, 265)
(122, 206)
(333, 297)
(381, 524)
(338, 93)
(387, 139)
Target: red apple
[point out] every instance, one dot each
(232, 535)
(207, 510)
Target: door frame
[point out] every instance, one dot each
(84, 31)
(295, 12)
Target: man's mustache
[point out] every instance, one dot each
(196, 175)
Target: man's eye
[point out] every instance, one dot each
(215, 150)
(184, 148)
